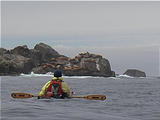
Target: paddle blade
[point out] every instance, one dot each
(95, 97)
(21, 95)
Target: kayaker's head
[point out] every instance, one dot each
(57, 73)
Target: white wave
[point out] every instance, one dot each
(50, 74)
(80, 77)
(124, 76)
(115, 78)
(142, 77)
(36, 75)
(127, 76)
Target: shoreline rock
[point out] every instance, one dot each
(43, 59)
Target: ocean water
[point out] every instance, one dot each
(128, 98)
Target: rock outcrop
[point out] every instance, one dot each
(43, 59)
(88, 64)
(11, 64)
(84, 64)
(135, 73)
(46, 52)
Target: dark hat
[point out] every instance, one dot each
(57, 73)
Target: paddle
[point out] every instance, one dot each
(89, 97)
(22, 95)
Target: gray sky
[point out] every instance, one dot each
(126, 33)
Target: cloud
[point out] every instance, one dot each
(120, 31)
(69, 18)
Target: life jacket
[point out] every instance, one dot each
(55, 88)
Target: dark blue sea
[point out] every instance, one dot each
(128, 98)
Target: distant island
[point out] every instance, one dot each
(43, 59)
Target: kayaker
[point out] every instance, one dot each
(56, 87)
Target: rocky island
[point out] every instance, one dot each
(43, 59)
(134, 73)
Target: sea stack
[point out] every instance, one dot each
(134, 73)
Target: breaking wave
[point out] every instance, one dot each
(50, 74)
(32, 74)
(124, 76)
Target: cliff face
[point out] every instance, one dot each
(43, 59)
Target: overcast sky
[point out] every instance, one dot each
(126, 33)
